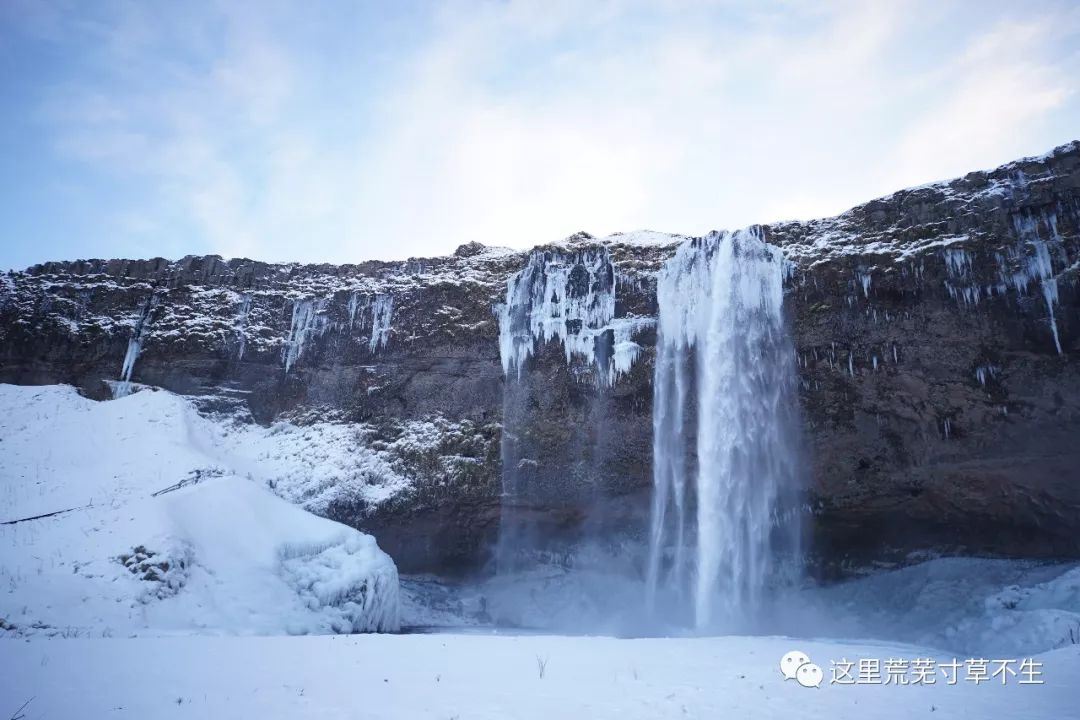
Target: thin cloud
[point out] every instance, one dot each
(290, 134)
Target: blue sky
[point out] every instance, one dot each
(344, 131)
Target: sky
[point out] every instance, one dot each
(338, 131)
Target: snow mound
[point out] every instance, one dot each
(142, 531)
(968, 605)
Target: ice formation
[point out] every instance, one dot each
(984, 373)
(569, 297)
(864, 281)
(1030, 259)
(1036, 262)
(381, 306)
(307, 320)
(311, 319)
(722, 352)
(240, 324)
(382, 309)
(134, 347)
(348, 580)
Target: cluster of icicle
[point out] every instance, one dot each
(1030, 261)
(570, 298)
(725, 366)
(309, 320)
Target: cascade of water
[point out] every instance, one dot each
(134, 347)
(724, 363)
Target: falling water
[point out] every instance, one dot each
(725, 365)
(134, 348)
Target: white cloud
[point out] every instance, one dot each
(520, 122)
(1000, 86)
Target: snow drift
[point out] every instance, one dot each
(119, 519)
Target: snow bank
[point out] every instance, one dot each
(148, 533)
(965, 605)
(484, 676)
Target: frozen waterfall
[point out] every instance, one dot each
(568, 297)
(725, 458)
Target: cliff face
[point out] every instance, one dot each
(937, 332)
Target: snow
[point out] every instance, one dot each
(310, 464)
(969, 606)
(172, 582)
(484, 676)
(153, 534)
(645, 238)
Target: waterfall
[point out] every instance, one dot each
(134, 348)
(724, 366)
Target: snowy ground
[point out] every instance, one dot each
(471, 676)
(170, 580)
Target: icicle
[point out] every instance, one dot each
(382, 310)
(1037, 265)
(864, 280)
(568, 297)
(239, 324)
(356, 306)
(983, 373)
(307, 322)
(957, 263)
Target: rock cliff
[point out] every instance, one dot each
(937, 332)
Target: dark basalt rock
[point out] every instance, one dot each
(939, 415)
